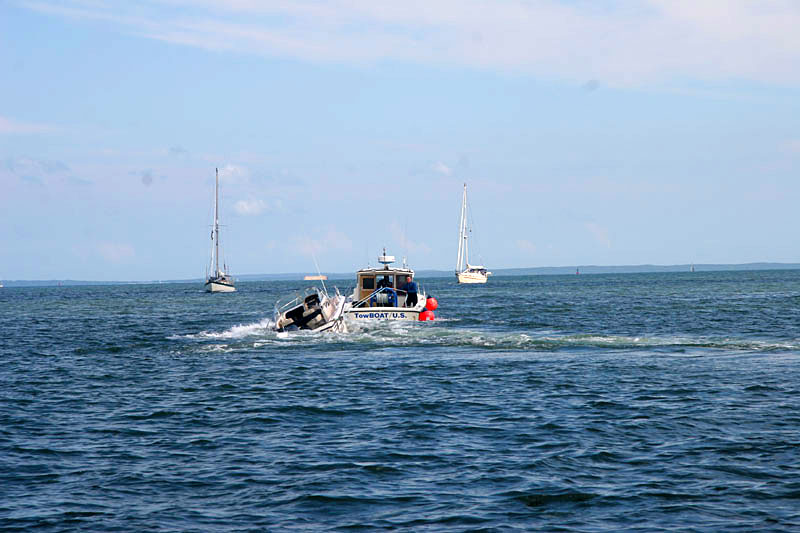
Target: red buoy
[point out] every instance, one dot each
(431, 304)
(426, 315)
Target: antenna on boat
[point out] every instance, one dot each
(314, 257)
(405, 241)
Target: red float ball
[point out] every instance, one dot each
(431, 304)
(426, 315)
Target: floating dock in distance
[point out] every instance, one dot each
(321, 277)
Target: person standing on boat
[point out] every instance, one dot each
(411, 290)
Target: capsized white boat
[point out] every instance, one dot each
(218, 280)
(383, 293)
(314, 310)
(466, 273)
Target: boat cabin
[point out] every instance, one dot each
(368, 280)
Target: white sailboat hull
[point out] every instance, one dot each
(472, 277)
(215, 286)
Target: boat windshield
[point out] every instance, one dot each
(372, 280)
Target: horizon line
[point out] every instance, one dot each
(644, 268)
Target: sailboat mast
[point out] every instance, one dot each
(461, 227)
(466, 241)
(216, 224)
(466, 235)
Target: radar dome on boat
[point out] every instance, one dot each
(385, 260)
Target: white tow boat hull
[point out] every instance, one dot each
(382, 314)
(219, 287)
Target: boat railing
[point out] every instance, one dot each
(366, 298)
(297, 300)
(385, 289)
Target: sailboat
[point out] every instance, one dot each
(219, 281)
(466, 273)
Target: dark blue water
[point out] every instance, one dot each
(584, 403)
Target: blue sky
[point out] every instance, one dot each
(607, 133)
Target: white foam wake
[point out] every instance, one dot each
(237, 332)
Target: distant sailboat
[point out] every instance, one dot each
(218, 281)
(691, 269)
(466, 273)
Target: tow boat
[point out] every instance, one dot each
(380, 295)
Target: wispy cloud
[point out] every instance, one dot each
(234, 174)
(250, 207)
(37, 170)
(331, 240)
(526, 246)
(116, 253)
(441, 168)
(599, 233)
(792, 146)
(626, 42)
(22, 165)
(406, 245)
(15, 127)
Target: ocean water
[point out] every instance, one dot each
(640, 402)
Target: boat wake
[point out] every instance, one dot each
(410, 334)
(256, 329)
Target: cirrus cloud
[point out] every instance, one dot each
(331, 240)
(15, 127)
(625, 42)
(116, 253)
(599, 233)
(234, 174)
(250, 207)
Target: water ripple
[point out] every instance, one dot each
(649, 403)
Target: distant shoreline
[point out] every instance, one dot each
(499, 272)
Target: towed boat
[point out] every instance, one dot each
(315, 310)
(388, 293)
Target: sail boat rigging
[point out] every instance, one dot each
(466, 273)
(218, 281)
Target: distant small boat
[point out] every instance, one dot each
(691, 269)
(319, 277)
(466, 273)
(218, 281)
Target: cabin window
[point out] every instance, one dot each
(368, 283)
(400, 281)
